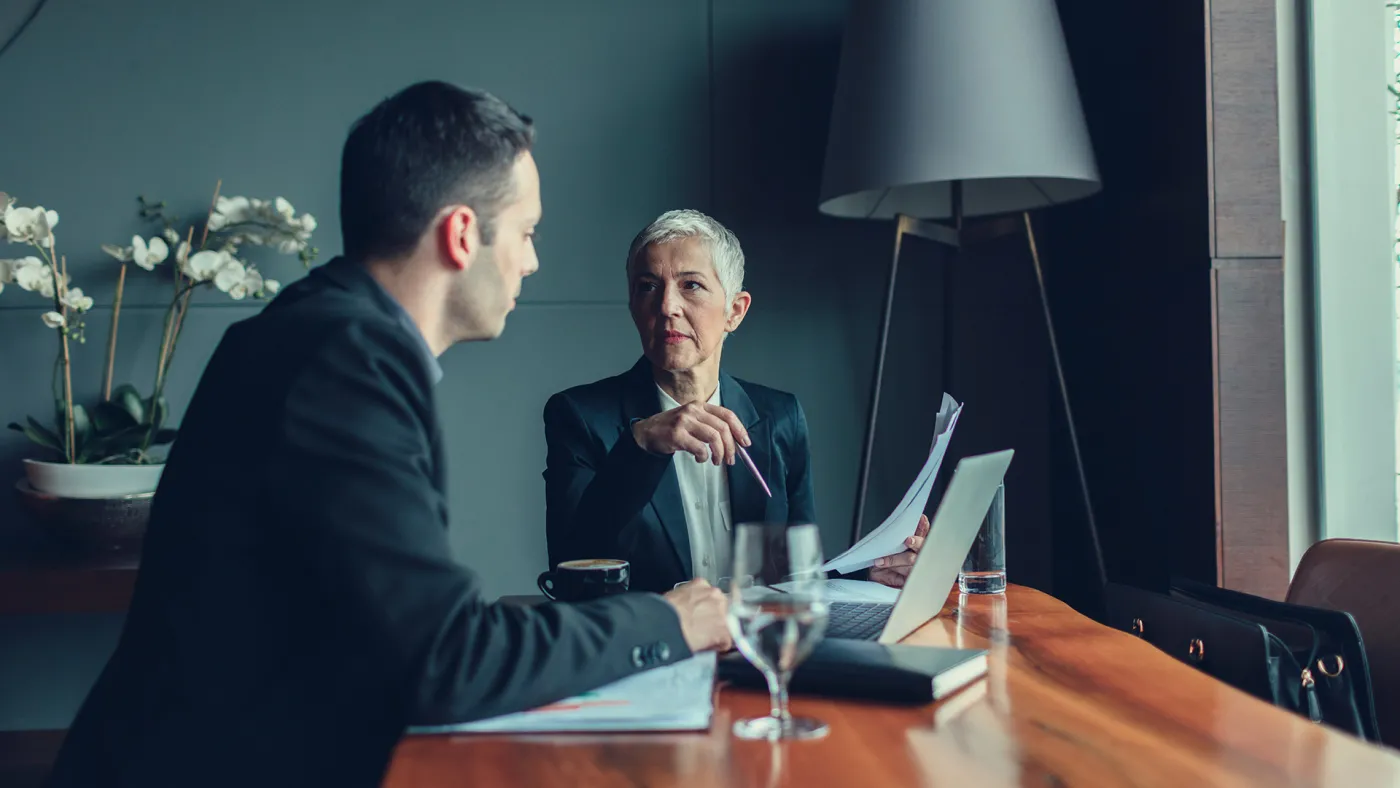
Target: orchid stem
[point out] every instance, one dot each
(67, 360)
(112, 339)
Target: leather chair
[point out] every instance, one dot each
(1362, 578)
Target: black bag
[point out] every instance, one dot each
(1304, 659)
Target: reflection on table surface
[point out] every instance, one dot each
(1066, 701)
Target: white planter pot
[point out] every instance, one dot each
(91, 481)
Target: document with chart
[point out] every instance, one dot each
(678, 697)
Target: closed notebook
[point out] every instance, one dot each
(870, 671)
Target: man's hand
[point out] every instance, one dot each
(702, 609)
(707, 431)
(894, 570)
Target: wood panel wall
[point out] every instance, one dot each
(1251, 452)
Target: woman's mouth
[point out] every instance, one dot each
(675, 337)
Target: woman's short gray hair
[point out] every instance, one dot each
(725, 252)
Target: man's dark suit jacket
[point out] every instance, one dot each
(298, 603)
(609, 498)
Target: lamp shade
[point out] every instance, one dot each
(936, 91)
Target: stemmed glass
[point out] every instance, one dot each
(777, 615)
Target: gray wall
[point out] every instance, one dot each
(642, 105)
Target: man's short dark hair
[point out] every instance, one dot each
(429, 146)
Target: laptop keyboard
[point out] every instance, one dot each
(857, 620)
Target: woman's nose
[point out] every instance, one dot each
(670, 302)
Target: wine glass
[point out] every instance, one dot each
(777, 614)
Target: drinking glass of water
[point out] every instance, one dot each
(777, 614)
(984, 569)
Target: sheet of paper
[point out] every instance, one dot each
(888, 538)
(843, 590)
(671, 698)
(948, 412)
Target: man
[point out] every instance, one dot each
(642, 465)
(298, 604)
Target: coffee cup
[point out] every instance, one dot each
(586, 578)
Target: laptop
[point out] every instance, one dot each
(950, 537)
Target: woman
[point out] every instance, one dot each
(644, 466)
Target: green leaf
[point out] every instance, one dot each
(82, 429)
(129, 399)
(82, 424)
(107, 447)
(40, 434)
(109, 417)
(134, 438)
(160, 411)
(93, 451)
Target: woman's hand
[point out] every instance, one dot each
(708, 432)
(893, 570)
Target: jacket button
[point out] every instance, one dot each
(663, 652)
(638, 657)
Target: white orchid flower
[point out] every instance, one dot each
(53, 320)
(44, 224)
(230, 276)
(29, 225)
(121, 253)
(74, 299)
(203, 265)
(182, 254)
(252, 284)
(147, 254)
(229, 211)
(21, 263)
(235, 208)
(33, 275)
(170, 236)
(271, 286)
(308, 223)
(289, 245)
(20, 224)
(284, 209)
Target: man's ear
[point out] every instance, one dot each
(738, 308)
(459, 234)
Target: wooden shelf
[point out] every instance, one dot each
(26, 757)
(37, 576)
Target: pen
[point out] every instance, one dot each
(754, 470)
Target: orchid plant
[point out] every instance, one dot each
(124, 426)
(46, 273)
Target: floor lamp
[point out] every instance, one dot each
(948, 110)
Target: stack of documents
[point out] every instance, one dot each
(889, 537)
(677, 697)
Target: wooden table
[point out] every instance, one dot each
(1067, 702)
